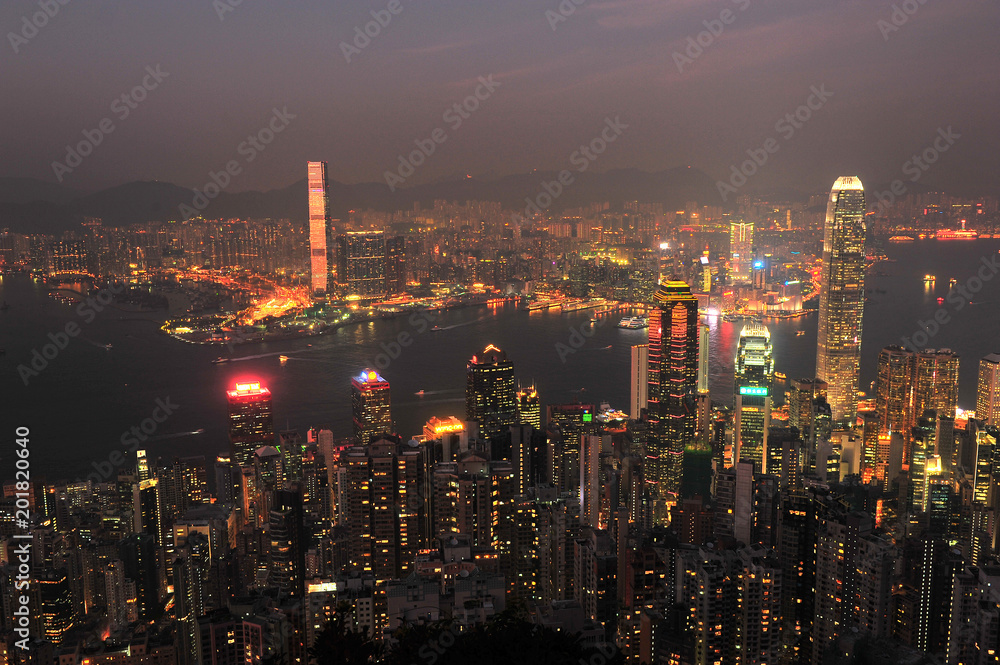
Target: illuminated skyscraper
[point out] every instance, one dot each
(638, 380)
(673, 383)
(250, 421)
(395, 265)
(361, 263)
(841, 298)
(754, 369)
(489, 392)
(529, 408)
(935, 382)
(371, 406)
(319, 220)
(741, 249)
(988, 392)
(894, 393)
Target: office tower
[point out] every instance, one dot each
(395, 265)
(286, 530)
(935, 382)
(361, 263)
(371, 406)
(784, 455)
(520, 455)
(841, 298)
(190, 580)
(754, 369)
(802, 398)
(183, 483)
(147, 510)
(703, 429)
(319, 221)
(638, 380)
(741, 249)
(988, 390)
(447, 437)
(142, 465)
(490, 398)
(529, 408)
(250, 422)
(894, 393)
(55, 613)
(673, 383)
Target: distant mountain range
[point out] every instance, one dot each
(35, 206)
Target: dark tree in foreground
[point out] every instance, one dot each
(506, 638)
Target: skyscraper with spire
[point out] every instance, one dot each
(841, 298)
(673, 385)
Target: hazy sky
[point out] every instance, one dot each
(892, 91)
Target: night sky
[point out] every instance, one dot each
(559, 81)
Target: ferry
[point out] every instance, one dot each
(780, 376)
(952, 282)
(220, 360)
(283, 359)
(633, 323)
(929, 279)
(419, 393)
(800, 333)
(901, 239)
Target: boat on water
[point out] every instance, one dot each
(780, 375)
(633, 323)
(283, 359)
(952, 282)
(419, 393)
(436, 329)
(929, 279)
(800, 333)
(220, 360)
(901, 238)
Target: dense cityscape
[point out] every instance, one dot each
(839, 523)
(547, 332)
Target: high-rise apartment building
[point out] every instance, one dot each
(638, 380)
(319, 221)
(673, 383)
(841, 298)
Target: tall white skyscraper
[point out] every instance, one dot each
(842, 296)
(319, 220)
